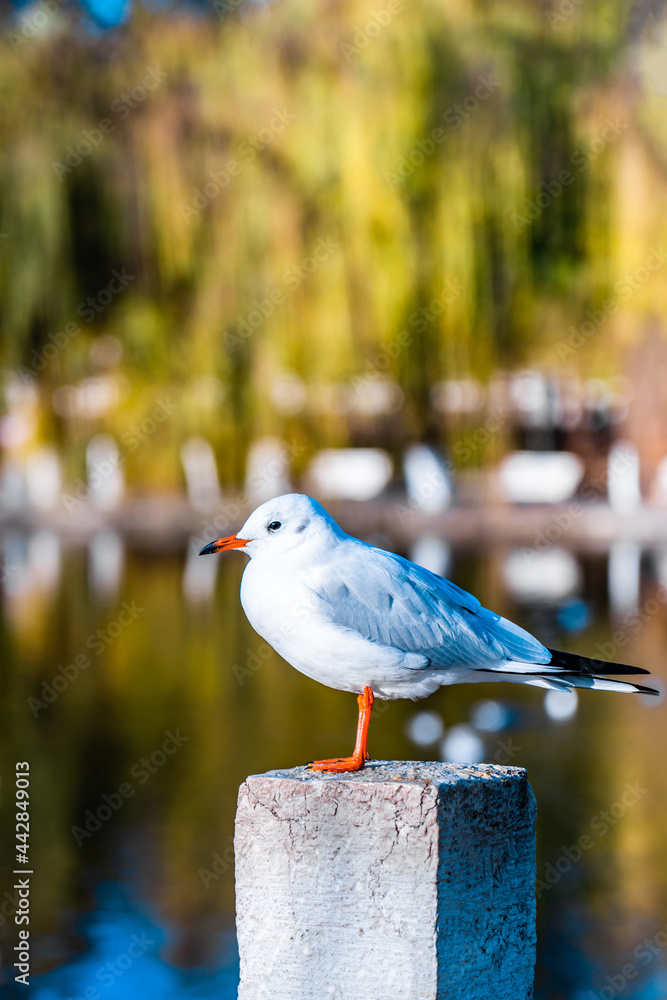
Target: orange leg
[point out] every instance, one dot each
(360, 755)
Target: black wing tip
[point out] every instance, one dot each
(640, 689)
(588, 665)
(579, 681)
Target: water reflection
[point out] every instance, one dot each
(425, 728)
(123, 959)
(160, 862)
(561, 706)
(462, 745)
(199, 576)
(491, 716)
(105, 565)
(549, 577)
(433, 553)
(624, 577)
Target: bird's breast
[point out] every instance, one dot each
(284, 606)
(277, 605)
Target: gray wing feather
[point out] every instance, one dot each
(392, 601)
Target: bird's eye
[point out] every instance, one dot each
(275, 525)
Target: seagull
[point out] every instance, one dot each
(361, 619)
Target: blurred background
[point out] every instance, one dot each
(406, 256)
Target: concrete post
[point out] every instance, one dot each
(404, 881)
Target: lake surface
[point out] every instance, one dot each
(141, 698)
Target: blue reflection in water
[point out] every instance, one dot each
(574, 616)
(108, 13)
(655, 989)
(123, 961)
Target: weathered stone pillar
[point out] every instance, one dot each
(404, 881)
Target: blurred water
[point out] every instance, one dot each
(140, 712)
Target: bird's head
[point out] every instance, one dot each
(279, 526)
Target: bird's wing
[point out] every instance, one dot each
(392, 601)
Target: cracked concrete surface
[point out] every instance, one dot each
(404, 881)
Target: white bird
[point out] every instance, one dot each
(361, 619)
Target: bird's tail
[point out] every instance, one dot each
(569, 670)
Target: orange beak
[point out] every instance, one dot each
(222, 544)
